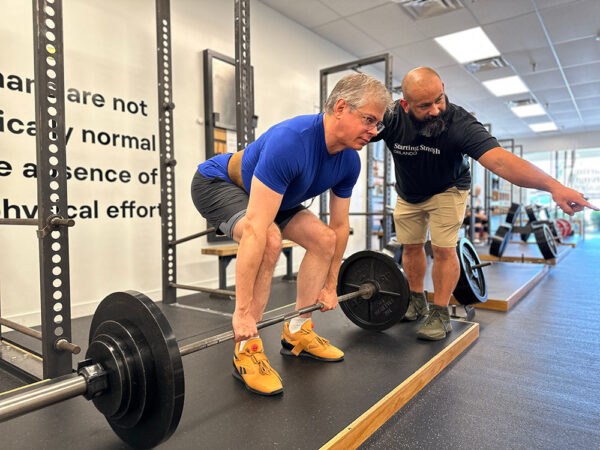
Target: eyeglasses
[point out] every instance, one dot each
(370, 122)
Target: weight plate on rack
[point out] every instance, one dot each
(500, 240)
(545, 241)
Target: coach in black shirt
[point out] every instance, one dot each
(429, 138)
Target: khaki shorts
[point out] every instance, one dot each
(443, 214)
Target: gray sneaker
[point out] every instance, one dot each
(417, 307)
(437, 324)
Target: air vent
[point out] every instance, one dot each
(523, 102)
(482, 65)
(422, 9)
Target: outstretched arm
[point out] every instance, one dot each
(522, 173)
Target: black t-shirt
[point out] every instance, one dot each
(426, 166)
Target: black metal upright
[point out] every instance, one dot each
(387, 164)
(323, 198)
(243, 75)
(167, 149)
(52, 185)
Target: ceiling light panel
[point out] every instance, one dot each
(468, 45)
(528, 110)
(543, 126)
(506, 86)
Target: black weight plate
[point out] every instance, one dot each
(513, 213)
(163, 369)
(545, 241)
(121, 349)
(531, 213)
(471, 287)
(388, 305)
(500, 240)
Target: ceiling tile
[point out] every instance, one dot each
(565, 116)
(552, 95)
(384, 24)
(424, 53)
(468, 92)
(584, 73)
(488, 11)
(561, 107)
(523, 60)
(591, 114)
(559, 21)
(586, 90)
(446, 23)
(455, 75)
(575, 52)
(543, 4)
(588, 103)
(348, 7)
(309, 13)
(349, 38)
(550, 79)
(519, 33)
(400, 67)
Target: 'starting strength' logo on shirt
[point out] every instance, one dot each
(412, 150)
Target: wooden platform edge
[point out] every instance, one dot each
(365, 425)
(566, 244)
(512, 300)
(524, 290)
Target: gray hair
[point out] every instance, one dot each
(358, 89)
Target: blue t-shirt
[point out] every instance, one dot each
(292, 159)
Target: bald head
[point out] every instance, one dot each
(419, 79)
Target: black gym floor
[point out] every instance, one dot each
(529, 381)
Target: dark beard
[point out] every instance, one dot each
(431, 127)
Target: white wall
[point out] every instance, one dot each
(110, 50)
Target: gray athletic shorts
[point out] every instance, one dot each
(223, 204)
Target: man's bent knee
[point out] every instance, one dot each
(325, 244)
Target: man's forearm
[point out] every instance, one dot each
(518, 171)
(341, 234)
(249, 257)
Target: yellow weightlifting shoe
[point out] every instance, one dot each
(305, 342)
(254, 370)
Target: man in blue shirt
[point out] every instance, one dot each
(255, 197)
(429, 138)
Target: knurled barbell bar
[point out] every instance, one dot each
(133, 370)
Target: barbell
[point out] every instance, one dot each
(133, 371)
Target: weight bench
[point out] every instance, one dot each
(226, 253)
